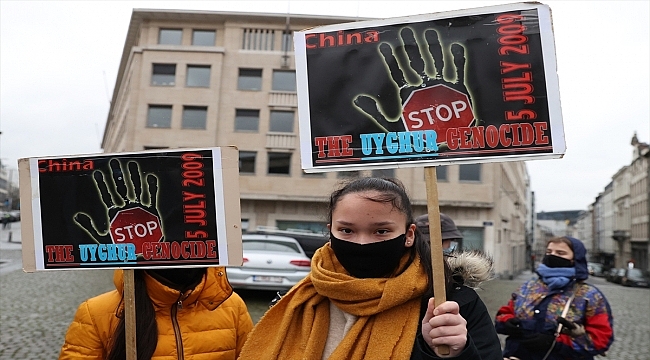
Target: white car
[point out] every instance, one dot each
(271, 262)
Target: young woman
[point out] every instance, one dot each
(181, 313)
(534, 313)
(368, 295)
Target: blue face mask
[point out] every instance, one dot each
(452, 247)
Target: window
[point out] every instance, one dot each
(203, 37)
(287, 40)
(384, 173)
(170, 36)
(247, 120)
(198, 76)
(247, 162)
(163, 74)
(194, 117)
(159, 116)
(154, 147)
(258, 39)
(279, 163)
(441, 173)
(469, 172)
(249, 79)
(281, 121)
(284, 80)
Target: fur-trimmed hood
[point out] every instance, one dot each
(472, 266)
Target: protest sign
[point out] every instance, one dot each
(465, 86)
(170, 208)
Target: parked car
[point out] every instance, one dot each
(595, 269)
(618, 277)
(611, 274)
(309, 241)
(635, 277)
(271, 262)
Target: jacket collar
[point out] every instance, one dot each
(213, 290)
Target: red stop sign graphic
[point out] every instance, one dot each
(136, 226)
(437, 108)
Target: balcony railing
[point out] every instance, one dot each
(283, 99)
(281, 141)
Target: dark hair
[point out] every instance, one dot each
(392, 191)
(145, 324)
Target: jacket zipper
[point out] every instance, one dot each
(177, 328)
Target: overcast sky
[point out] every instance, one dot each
(59, 61)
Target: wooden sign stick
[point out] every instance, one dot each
(129, 314)
(435, 234)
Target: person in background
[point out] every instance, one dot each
(369, 292)
(451, 236)
(537, 319)
(181, 313)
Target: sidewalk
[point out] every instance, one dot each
(10, 248)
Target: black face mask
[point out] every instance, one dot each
(374, 260)
(554, 261)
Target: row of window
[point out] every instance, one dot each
(199, 76)
(200, 37)
(195, 117)
(252, 39)
(279, 163)
(251, 79)
(165, 75)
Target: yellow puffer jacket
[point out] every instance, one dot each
(213, 321)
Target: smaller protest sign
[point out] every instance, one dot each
(172, 208)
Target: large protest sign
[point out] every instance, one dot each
(130, 210)
(474, 85)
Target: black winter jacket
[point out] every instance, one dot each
(470, 269)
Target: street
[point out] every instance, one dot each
(36, 308)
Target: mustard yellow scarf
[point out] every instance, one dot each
(297, 326)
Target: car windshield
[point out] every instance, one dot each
(270, 245)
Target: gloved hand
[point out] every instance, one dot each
(538, 342)
(511, 327)
(570, 328)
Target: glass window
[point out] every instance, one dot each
(279, 163)
(270, 245)
(281, 121)
(159, 116)
(170, 36)
(469, 172)
(194, 117)
(154, 147)
(163, 74)
(198, 76)
(203, 37)
(249, 79)
(284, 80)
(384, 173)
(441, 173)
(247, 120)
(247, 162)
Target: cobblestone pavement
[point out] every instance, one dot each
(36, 308)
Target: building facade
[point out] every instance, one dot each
(639, 205)
(192, 79)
